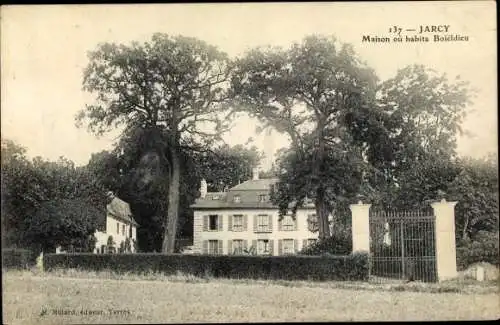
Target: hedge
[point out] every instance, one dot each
(17, 258)
(318, 268)
(340, 244)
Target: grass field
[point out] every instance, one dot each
(51, 298)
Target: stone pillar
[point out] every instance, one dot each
(360, 227)
(446, 255)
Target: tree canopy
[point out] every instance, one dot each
(310, 92)
(169, 85)
(33, 190)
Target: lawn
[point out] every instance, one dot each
(51, 298)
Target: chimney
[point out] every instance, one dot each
(255, 174)
(203, 188)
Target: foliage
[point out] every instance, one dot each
(175, 85)
(426, 110)
(135, 171)
(339, 244)
(225, 166)
(351, 267)
(309, 92)
(16, 258)
(476, 189)
(45, 203)
(20, 193)
(60, 222)
(413, 153)
(127, 245)
(484, 248)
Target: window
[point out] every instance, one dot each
(118, 228)
(288, 246)
(238, 222)
(263, 247)
(262, 198)
(238, 246)
(213, 247)
(130, 231)
(237, 199)
(123, 230)
(288, 223)
(263, 222)
(213, 222)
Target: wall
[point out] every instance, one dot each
(300, 234)
(102, 237)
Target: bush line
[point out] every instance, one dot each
(353, 267)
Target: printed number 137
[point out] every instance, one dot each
(395, 29)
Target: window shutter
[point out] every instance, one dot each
(255, 223)
(205, 223)
(304, 243)
(220, 218)
(229, 247)
(230, 223)
(220, 249)
(245, 222)
(271, 222)
(271, 247)
(205, 247)
(280, 247)
(254, 244)
(245, 244)
(296, 222)
(296, 245)
(280, 223)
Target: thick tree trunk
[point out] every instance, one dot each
(322, 213)
(321, 205)
(173, 203)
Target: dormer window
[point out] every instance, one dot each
(237, 199)
(215, 197)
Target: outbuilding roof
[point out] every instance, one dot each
(120, 210)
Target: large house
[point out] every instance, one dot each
(242, 219)
(119, 225)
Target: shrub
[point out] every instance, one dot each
(484, 248)
(339, 244)
(319, 268)
(16, 258)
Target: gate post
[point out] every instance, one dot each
(360, 227)
(446, 255)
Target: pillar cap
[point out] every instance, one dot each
(443, 202)
(360, 204)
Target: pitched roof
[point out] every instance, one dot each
(121, 210)
(255, 185)
(249, 193)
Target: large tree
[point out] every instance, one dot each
(308, 92)
(475, 187)
(20, 195)
(226, 166)
(422, 113)
(175, 85)
(33, 190)
(135, 171)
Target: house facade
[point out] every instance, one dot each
(119, 225)
(243, 219)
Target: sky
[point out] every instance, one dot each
(44, 51)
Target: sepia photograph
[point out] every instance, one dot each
(249, 162)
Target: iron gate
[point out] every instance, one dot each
(402, 246)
